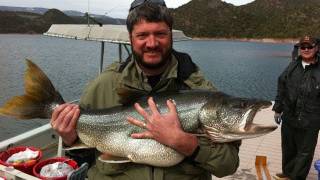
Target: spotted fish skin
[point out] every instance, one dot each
(214, 115)
(109, 131)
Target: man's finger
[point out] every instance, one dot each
(171, 106)
(65, 110)
(136, 122)
(65, 115)
(143, 135)
(153, 106)
(57, 111)
(75, 117)
(67, 118)
(141, 111)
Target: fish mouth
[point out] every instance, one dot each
(259, 129)
(247, 129)
(253, 128)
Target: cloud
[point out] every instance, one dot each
(238, 2)
(113, 8)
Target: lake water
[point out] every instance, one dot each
(244, 69)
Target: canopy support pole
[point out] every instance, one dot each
(101, 59)
(120, 52)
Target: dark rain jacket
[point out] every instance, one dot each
(298, 96)
(218, 159)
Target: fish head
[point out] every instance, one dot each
(226, 118)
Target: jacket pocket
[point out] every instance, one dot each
(312, 105)
(317, 89)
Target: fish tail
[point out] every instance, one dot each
(40, 96)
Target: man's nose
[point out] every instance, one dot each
(152, 42)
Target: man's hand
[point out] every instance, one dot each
(64, 119)
(277, 117)
(164, 128)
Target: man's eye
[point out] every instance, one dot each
(141, 36)
(162, 34)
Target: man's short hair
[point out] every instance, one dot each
(149, 12)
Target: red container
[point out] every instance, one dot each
(24, 167)
(39, 165)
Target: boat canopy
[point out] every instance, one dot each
(105, 33)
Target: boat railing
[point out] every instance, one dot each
(43, 137)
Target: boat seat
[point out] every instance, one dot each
(80, 173)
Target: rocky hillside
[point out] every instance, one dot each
(259, 19)
(29, 22)
(25, 22)
(198, 18)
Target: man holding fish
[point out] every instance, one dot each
(176, 134)
(153, 67)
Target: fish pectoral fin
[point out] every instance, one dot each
(77, 145)
(215, 135)
(129, 96)
(109, 158)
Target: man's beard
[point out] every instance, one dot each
(164, 59)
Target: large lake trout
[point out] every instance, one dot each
(214, 115)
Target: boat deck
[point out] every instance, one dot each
(269, 146)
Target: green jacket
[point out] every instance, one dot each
(217, 159)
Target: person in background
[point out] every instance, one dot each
(154, 66)
(297, 106)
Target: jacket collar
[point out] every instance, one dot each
(315, 64)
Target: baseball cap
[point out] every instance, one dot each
(308, 40)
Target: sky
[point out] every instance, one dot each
(112, 8)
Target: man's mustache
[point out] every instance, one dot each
(152, 50)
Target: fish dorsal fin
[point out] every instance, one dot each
(129, 96)
(108, 158)
(76, 146)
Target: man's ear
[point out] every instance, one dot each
(130, 38)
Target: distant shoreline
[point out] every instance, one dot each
(262, 40)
